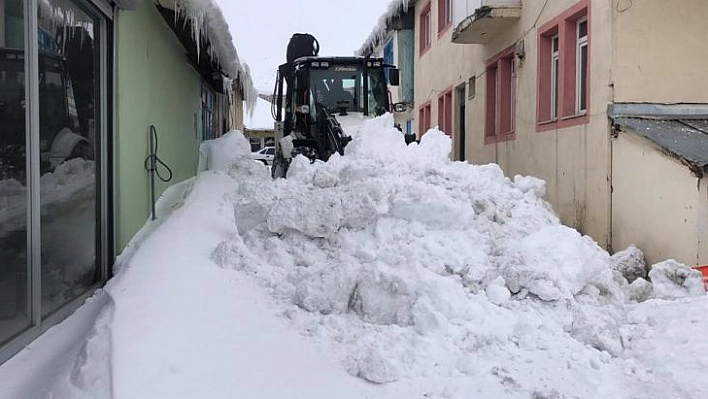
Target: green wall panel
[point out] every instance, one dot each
(155, 85)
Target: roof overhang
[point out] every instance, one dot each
(678, 130)
(208, 67)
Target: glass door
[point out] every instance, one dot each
(69, 89)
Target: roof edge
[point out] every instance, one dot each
(657, 111)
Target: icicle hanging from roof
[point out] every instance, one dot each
(208, 22)
(395, 9)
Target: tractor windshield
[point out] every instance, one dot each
(342, 87)
(54, 110)
(12, 95)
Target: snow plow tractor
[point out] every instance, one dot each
(315, 96)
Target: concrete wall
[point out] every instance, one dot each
(702, 223)
(656, 203)
(155, 85)
(660, 51)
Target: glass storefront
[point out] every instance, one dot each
(68, 114)
(52, 132)
(14, 281)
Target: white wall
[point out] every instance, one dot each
(655, 202)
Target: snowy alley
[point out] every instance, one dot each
(379, 274)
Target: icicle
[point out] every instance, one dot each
(395, 9)
(211, 29)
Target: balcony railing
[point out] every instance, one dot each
(487, 21)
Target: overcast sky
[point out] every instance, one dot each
(261, 29)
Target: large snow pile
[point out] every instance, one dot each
(414, 267)
(390, 272)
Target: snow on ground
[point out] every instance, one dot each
(390, 272)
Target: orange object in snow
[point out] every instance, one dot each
(704, 272)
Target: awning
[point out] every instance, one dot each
(680, 131)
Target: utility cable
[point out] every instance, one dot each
(151, 166)
(152, 161)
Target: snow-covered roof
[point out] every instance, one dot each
(396, 9)
(207, 21)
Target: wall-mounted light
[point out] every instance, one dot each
(519, 50)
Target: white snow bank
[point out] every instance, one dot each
(557, 263)
(423, 276)
(219, 153)
(672, 279)
(402, 258)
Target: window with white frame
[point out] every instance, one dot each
(425, 28)
(444, 15)
(581, 66)
(554, 77)
(563, 88)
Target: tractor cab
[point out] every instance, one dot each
(313, 94)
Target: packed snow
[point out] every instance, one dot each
(389, 272)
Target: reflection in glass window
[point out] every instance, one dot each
(68, 118)
(14, 288)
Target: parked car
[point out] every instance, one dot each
(265, 155)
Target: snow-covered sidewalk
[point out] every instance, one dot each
(380, 274)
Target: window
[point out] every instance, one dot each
(444, 15)
(388, 58)
(424, 118)
(445, 112)
(472, 90)
(581, 69)
(500, 97)
(208, 98)
(554, 77)
(563, 74)
(53, 244)
(425, 29)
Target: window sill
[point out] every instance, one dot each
(509, 136)
(575, 116)
(563, 122)
(548, 122)
(444, 30)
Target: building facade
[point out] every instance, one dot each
(393, 40)
(545, 74)
(446, 86)
(83, 83)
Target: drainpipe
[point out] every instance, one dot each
(613, 134)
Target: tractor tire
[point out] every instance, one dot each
(280, 166)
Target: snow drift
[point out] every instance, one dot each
(404, 259)
(390, 272)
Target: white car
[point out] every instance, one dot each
(265, 155)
